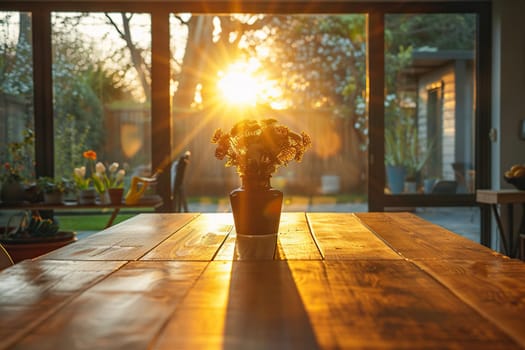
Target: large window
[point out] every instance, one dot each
(102, 89)
(430, 115)
(430, 103)
(308, 72)
(16, 94)
(375, 86)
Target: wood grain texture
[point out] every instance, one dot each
(241, 305)
(128, 240)
(495, 288)
(295, 240)
(200, 239)
(342, 236)
(31, 291)
(416, 238)
(391, 304)
(500, 196)
(124, 311)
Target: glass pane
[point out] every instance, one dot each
(16, 96)
(429, 105)
(101, 86)
(306, 71)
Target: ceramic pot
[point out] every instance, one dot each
(256, 208)
(103, 198)
(87, 196)
(53, 197)
(12, 191)
(21, 249)
(115, 195)
(396, 178)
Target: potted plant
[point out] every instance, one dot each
(16, 168)
(107, 181)
(27, 236)
(257, 148)
(396, 157)
(52, 189)
(404, 156)
(113, 181)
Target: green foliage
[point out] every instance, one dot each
(18, 159)
(402, 142)
(70, 142)
(48, 184)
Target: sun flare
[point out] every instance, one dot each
(243, 84)
(238, 84)
(238, 87)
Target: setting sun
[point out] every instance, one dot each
(238, 85)
(241, 84)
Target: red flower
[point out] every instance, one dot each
(90, 155)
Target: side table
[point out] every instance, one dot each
(509, 198)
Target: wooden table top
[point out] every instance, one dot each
(500, 196)
(337, 280)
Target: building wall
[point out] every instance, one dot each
(446, 76)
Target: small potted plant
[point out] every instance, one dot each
(52, 189)
(113, 180)
(27, 236)
(257, 148)
(17, 167)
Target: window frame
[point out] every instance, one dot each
(160, 104)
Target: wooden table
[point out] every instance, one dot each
(173, 281)
(151, 202)
(509, 238)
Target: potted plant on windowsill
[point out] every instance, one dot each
(17, 168)
(52, 189)
(405, 156)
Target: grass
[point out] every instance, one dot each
(88, 222)
(92, 222)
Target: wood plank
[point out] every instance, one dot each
(343, 236)
(128, 240)
(416, 238)
(500, 196)
(241, 305)
(125, 311)
(198, 240)
(392, 304)
(295, 240)
(31, 291)
(495, 288)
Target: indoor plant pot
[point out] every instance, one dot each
(115, 195)
(257, 149)
(87, 196)
(31, 247)
(27, 236)
(256, 209)
(12, 191)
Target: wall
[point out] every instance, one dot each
(508, 92)
(508, 84)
